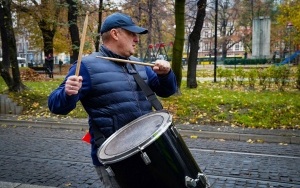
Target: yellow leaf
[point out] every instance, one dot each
(68, 184)
(260, 141)
(283, 144)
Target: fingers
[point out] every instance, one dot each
(73, 85)
(162, 67)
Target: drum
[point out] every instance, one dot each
(149, 152)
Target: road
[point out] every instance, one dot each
(58, 158)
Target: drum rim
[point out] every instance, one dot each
(155, 135)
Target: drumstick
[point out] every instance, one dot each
(82, 43)
(126, 61)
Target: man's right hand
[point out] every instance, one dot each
(73, 85)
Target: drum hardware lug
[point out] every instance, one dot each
(203, 177)
(145, 157)
(190, 182)
(110, 171)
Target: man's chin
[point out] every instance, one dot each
(132, 52)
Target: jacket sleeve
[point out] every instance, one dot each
(59, 102)
(163, 86)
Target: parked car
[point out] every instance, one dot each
(21, 61)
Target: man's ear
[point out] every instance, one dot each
(114, 34)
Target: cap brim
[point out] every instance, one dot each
(136, 29)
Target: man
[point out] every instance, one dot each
(107, 89)
(49, 61)
(60, 62)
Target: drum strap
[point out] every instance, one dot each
(99, 138)
(148, 91)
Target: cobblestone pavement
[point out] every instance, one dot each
(58, 158)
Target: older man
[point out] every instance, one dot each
(107, 89)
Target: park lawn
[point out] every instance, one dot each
(210, 103)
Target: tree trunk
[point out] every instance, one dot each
(194, 44)
(141, 54)
(48, 35)
(9, 49)
(97, 42)
(179, 40)
(224, 50)
(73, 29)
(150, 21)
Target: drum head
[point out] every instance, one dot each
(134, 137)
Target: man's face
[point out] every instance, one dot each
(127, 42)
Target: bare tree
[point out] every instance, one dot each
(228, 15)
(9, 49)
(194, 42)
(157, 17)
(100, 10)
(73, 28)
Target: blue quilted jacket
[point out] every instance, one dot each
(109, 94)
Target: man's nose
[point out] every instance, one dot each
(136, 38)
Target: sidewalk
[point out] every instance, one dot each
(287, 136)
(193, 131)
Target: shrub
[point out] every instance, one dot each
(245, 61)
(263, 75)
(252, 75)
(298, 77)
(240, 75)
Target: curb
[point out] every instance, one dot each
(20, 185)
(45, 124)
(241, 136)
(289, 139)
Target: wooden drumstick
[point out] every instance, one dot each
(126, 61)
(82, 43)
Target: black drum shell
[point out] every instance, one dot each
(171, 162)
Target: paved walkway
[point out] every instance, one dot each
(289, 136)
(193, 131)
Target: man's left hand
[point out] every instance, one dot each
(161, 67)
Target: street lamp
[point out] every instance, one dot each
(216, 42)
(289, 27)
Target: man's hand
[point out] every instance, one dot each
(161, 67)
(73, 85)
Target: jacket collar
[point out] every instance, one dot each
(109, 53)
(106, 52)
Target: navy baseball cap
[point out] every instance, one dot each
(119, 20)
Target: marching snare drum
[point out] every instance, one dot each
(149, 152)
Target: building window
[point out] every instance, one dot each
(206, 34)
(237, 47)
(206, 46)
(20, 47)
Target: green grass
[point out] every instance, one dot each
(210, 103)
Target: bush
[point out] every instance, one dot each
(245, 61)
(298, 77)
